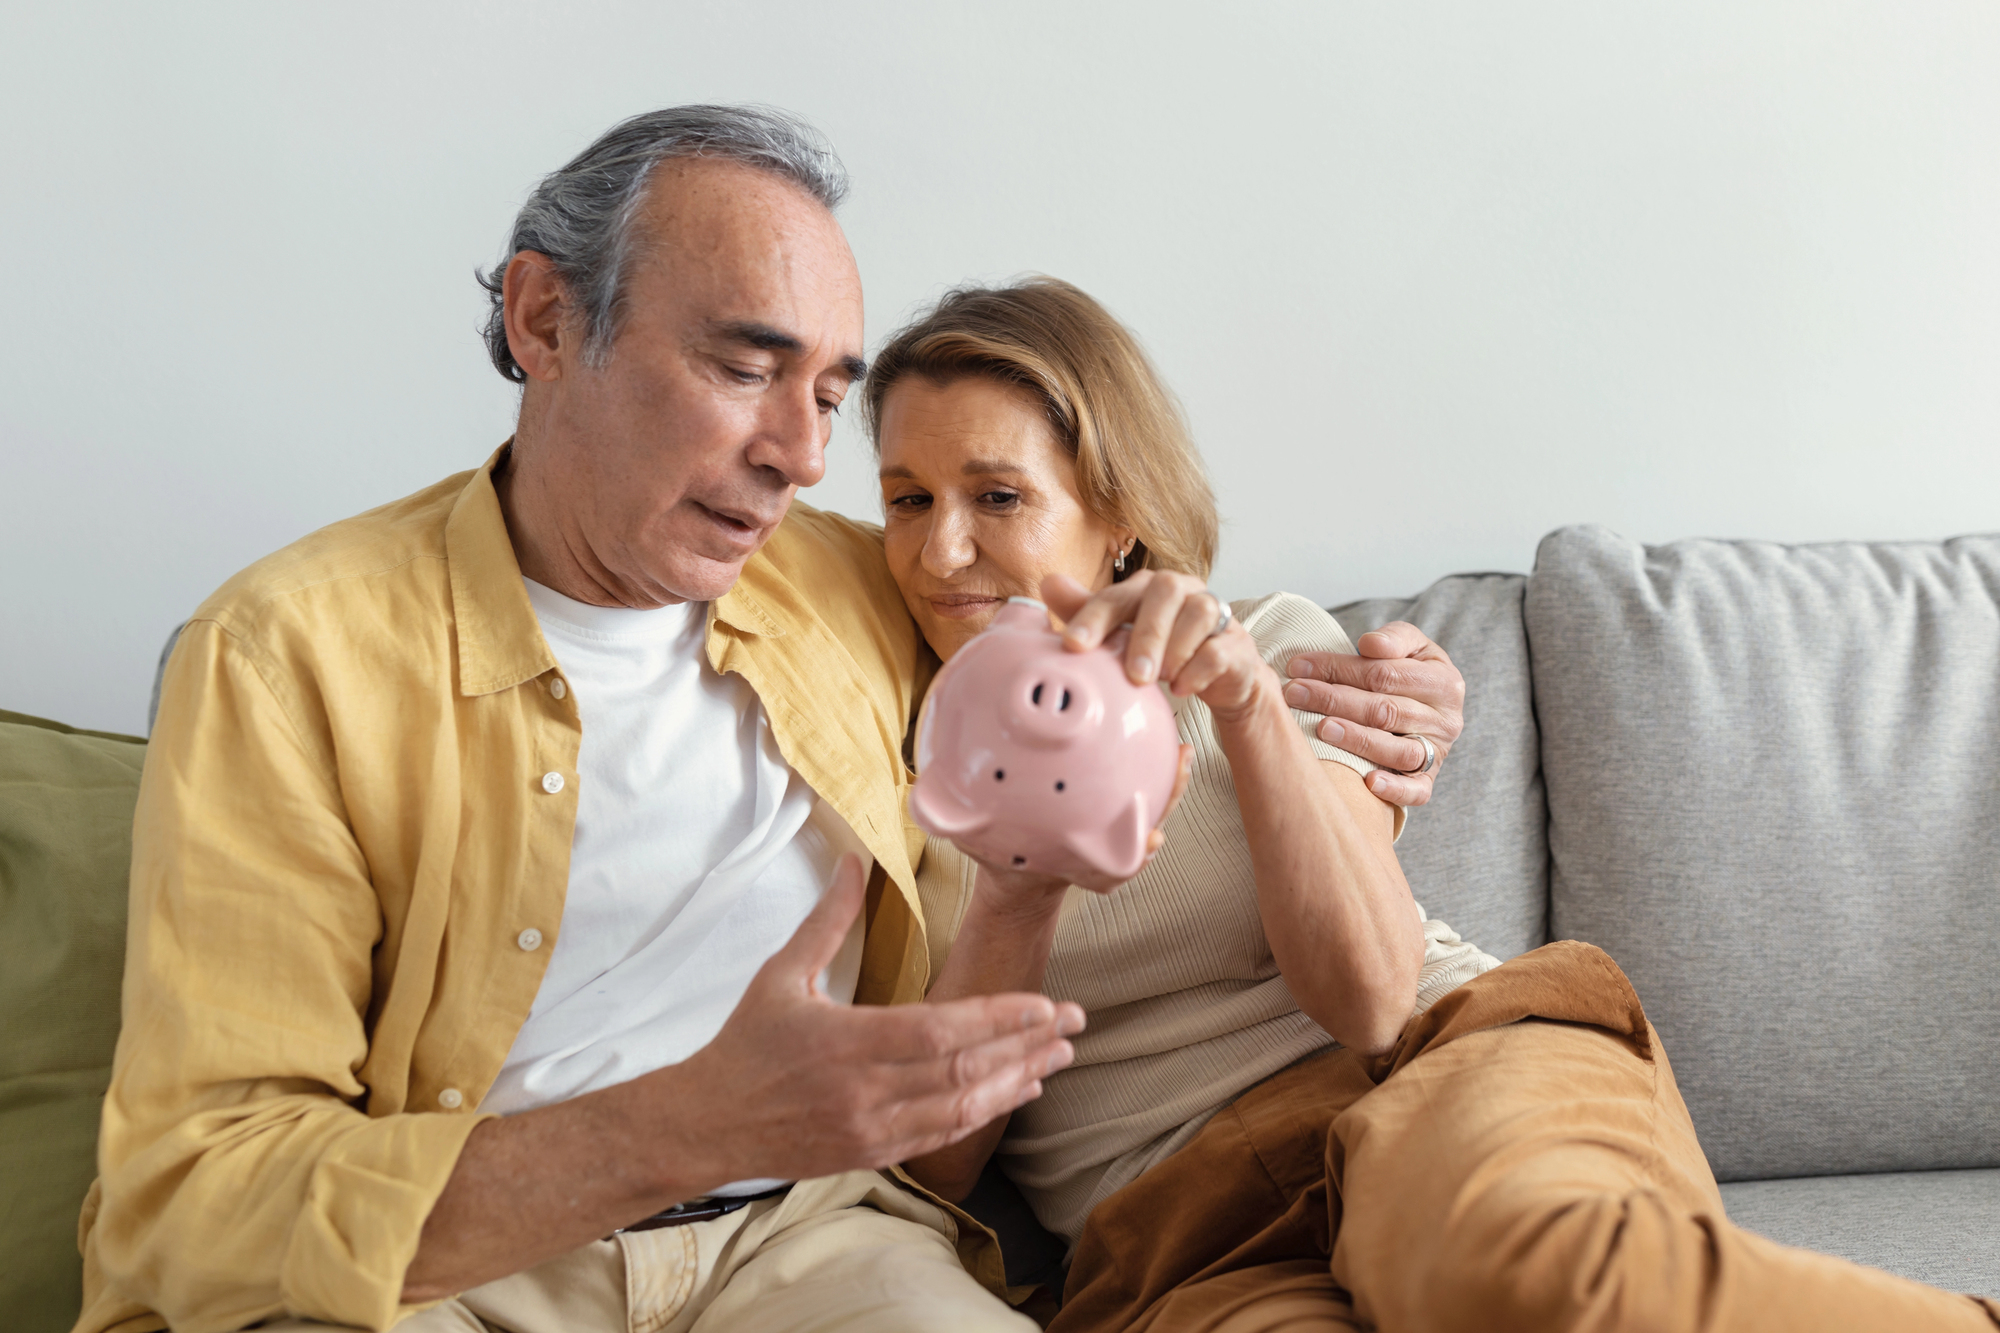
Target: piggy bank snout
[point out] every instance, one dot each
(1049, 704)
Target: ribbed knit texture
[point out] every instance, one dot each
(1186, 1005)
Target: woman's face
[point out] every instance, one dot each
(980, 504)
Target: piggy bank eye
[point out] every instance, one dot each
(999, 775)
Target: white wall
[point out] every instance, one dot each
(1431, 278)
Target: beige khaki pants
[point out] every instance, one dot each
(846, 1252)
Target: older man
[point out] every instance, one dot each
(482, 969)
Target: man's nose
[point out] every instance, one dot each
(791, 438)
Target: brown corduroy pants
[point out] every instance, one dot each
(1520, 1161)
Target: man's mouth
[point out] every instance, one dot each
(740, 526)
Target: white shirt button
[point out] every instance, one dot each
(451, 1099)
(552, 783)
(529, 940)
(557, 688)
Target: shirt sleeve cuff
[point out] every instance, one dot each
(364, 1213)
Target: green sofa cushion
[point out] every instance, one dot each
(66, 799)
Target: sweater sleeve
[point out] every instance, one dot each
(1284, 625)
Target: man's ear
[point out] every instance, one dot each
(537, 307)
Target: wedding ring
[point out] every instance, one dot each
(1221, 621)
(1430, 755)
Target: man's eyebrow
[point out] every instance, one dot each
(767, 339)
(760, 336)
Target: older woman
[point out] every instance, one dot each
(1300, 1102)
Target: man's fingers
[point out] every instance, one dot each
(917, 1032)
(925, 1124)
(1381, 712)
(817, 941)
(1401, 789)
(1025, 1056)
(1398, 754)
(1399, 638)
(1438, 683)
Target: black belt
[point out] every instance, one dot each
(701, 1210)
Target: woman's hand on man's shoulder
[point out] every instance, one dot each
(1379, 701)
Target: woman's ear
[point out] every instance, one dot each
(1122, 541)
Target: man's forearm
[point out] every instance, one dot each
(532, 1186)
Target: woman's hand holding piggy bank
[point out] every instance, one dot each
(1044, 763)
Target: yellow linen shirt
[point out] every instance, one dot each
(349, 824)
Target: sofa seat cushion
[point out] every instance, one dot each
(1477, 856)
(66, 800)
(1773, 779)
(1940, 1227)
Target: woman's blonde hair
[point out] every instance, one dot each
(1136, 464)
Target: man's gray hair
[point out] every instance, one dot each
(583, 216)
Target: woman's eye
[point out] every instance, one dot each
(909, 503)
(1000, 497)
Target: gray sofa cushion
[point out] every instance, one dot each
(1940, 1227)
(1477, 855)
(1774, 795)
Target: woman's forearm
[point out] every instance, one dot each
(1336, 908)
(1002, 945)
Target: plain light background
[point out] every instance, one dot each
(1430, 279)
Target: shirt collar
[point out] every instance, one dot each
(500, 642)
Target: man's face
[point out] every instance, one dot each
(741, 335)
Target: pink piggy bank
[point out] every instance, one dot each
(1046, 760)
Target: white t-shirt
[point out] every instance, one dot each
(698, 852)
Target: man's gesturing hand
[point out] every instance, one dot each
(1400, 685)
(796, 1086)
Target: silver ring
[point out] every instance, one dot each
(1430, 755)
(1221, 621)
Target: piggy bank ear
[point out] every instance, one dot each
(1118, 848)
(941, 812)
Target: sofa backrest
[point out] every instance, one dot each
(1477, 855)
(66, 800)
(1773, 779)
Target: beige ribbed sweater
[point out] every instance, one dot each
(1186, 1005)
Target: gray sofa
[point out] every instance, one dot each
(1766, 780)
